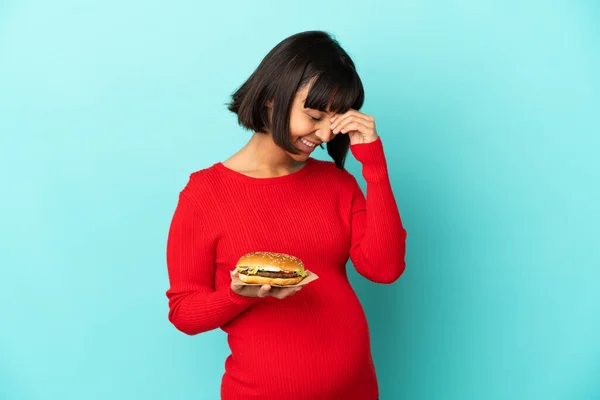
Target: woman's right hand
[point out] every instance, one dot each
(265, 290)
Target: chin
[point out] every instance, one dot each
(300, 157)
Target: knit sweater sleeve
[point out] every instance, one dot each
(378, 240)
(194, 304)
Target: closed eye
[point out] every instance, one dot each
(314, 118)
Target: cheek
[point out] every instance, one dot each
(301, 127)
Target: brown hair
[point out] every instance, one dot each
(311, 57)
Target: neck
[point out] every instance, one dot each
(262, 153)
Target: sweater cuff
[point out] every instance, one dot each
(372, 157)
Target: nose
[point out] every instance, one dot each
(324, 134)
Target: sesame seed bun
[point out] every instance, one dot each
(266, 259)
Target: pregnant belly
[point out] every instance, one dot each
(312, 343)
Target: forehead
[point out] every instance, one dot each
(302, 94)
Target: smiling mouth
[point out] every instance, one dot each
(308, 143)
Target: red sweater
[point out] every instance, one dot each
(310, 346)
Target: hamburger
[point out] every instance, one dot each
(270, 269)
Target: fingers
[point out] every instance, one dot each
(354, 126)
(338, 119)
(282, 293)
(263, 291)
(352, 115)
(368, 121)
(352, 122)
(268, 290)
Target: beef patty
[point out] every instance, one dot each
(270, 274)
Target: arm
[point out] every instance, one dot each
(194, 305)
(378, 243)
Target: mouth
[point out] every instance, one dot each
(307, 146)
(309, 143)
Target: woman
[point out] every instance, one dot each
(290, 343)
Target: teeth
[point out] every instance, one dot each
(309, 144)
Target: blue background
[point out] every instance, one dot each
(489, 112)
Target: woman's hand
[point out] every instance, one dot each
(265, 290)
(360, 127)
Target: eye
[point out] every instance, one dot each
(315, 118)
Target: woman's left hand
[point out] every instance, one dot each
(360, 127)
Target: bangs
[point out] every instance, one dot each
(311, 60)
(335, 93)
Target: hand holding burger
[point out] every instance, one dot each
(265, 290)
(269, 269)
